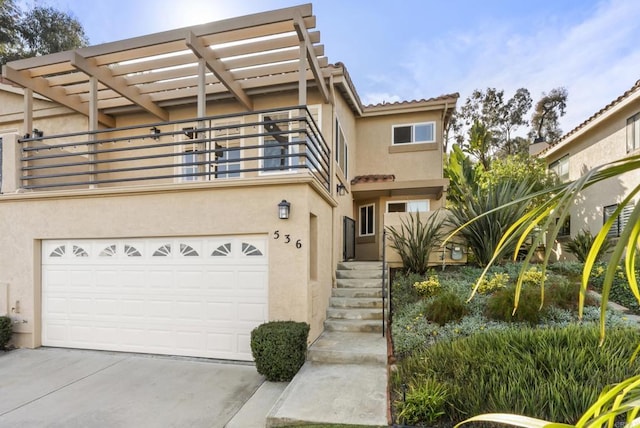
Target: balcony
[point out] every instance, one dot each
(225, 147)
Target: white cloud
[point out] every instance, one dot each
(595, 59)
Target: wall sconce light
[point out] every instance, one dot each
(341, 189)
(38, 133)
(284, 208)
(155, 131)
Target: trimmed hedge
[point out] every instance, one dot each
(279, 349)
(6, 330)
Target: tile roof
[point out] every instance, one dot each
(593, 117)
(373, 178)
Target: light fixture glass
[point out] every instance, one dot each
(284, 208)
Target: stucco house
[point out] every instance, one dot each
(610, 134)
(170, 192)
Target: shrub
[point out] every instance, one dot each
(402, 291)
(446, 307)
(533, 277)
(6, 330)
(497, 282)
(427, 287)
(415, 240)
(424, 402)
(500, 305)
(552, 373)
(580, 245)
(279, 349)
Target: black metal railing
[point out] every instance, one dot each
(284, 140)
(384, 278)
(348, 238)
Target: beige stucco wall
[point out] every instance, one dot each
(604, 141)
(376, 155)
(204, 209)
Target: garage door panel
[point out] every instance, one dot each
(180, 296)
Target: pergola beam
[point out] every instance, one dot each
(40, 86)
(305, 41)
(216, 66)
(118, 84)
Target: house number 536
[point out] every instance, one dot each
(287, 239)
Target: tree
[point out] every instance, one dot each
(474, 190)
(499, 118)
(39, 31)
(547, 113)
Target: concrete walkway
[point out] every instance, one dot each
(344, 381)
(51, 387)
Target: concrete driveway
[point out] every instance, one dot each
(52, 387)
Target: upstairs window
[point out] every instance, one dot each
(561, 168)
(341, 150)
(414, 133)
(633, 133)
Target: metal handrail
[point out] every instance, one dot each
(106, 156)
(384, 277)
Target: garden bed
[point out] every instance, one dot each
(541, 362)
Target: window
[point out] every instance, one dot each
(227, 150)
(620, 222)
(341, 150)
(421, 205)
(217, 153)
(633, 133)
(278, 154)
(414, 133)
(565, 229)
(367, 221)
(561, 168)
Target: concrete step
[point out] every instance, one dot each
(356, 302)
(359, 273)
(354, 314)
(357, 292)
(358, 283)
(359, 265)
(326, 394)
(354, 326)
(334, 347)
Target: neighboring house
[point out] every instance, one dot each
(611, 134)
(142, 183)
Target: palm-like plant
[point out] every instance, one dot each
(415, 240)
(580, 245)
(623, 398)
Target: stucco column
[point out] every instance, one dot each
(10, 163)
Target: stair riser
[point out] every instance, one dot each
(362, 302)
(344, 358)
(366, 274)
(354, 328)
(357, 293)
(360, 265)
(359, 283)
(346, 314)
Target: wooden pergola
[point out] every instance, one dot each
(236, 57)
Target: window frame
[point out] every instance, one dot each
(557, 165)
(292, 149)
(633, 133)
(342, 150)
(407, 202)
(621, 222)
(370, 222)
(413, 133)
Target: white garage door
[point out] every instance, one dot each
(189, 296)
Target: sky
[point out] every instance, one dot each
(398, 50)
